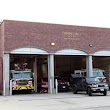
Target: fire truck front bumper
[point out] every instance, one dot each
(22, 87)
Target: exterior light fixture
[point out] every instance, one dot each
(52, 43)
(90, 45)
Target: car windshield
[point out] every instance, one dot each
(98, 73)
(92, 80)
(20, 75)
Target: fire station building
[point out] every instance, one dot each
(52, 49)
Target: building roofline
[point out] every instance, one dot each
(49, 23)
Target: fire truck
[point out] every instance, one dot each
(22, 80)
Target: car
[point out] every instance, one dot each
(63, 84)
(88, 84)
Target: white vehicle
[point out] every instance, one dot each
(22, 80)
(96, 73)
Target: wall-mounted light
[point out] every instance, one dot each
(90, 45)
(52, 43)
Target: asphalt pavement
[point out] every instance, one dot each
(60, 101)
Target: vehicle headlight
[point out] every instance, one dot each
(106, 85)
(94, 85)
(61, 83)
(67, 83)
(14, 83)
(30, 82)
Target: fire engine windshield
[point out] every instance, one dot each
(21, 75)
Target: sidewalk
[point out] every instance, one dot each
(60, 101)
(24, 97)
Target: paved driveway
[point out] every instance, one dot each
(60, 101)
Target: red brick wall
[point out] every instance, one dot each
(1, 57)
(20, 34)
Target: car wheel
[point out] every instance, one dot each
(75, 90)
(89, 92)
(105, 93)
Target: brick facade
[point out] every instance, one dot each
(19, 34)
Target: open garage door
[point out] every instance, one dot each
(66, 62)
(19, 61)
(101, 59)
(21, 65)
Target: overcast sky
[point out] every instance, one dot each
(73, 12)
